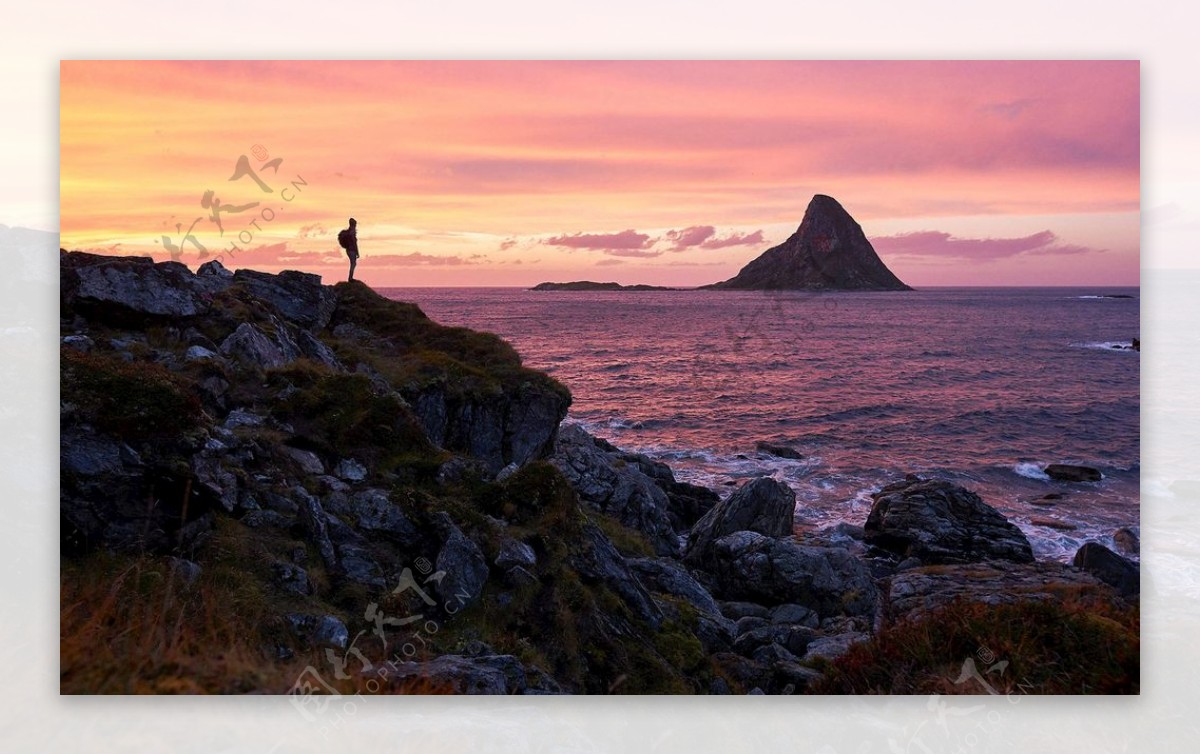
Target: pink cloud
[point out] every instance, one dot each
(704, 236)
(734, 239)
(685, 238)
(944, 245)
(627, 243)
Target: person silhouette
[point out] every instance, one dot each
(348, 238)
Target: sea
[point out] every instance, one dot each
(981, 386)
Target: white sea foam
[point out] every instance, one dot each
(1031, 469)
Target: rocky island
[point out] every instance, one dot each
(594, 286)
(269, 484)
(829, 251)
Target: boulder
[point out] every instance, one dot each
(1073, 473)
(373, 511)
(465, 567)
(833, 646)
(763, 505)
(614, 487)
(668, 576)
(1109, 567)
(514, 553)
(1126, 541)
(597, 560)
(291, 578)
(939, 522)
(830, 581)
(914, 593)
(319, 631)
(249, 346)
(350, 470)
(132, 285)
(298, 296)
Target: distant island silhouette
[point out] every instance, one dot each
(828, 252)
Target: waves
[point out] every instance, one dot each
(973, 385)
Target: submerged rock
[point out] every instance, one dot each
(1073, 473)
(778, 449)
(939, 522)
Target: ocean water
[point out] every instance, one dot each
(983, 386)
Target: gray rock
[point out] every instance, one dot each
(214, 269)
(508, 471)
(298, 296)
(465, 567)
(350, 470)
(830, 581)
(199, 353)
(516, 553)
(319, 631)
(749, 624)
(213, 478)
(291, 578)
(791, 613)
(613, 487)
(269, 519)
(250, 347)
(833, 646)
(762, 505)
(914, 593)
(1073, 473)
(187, 571)
(670, 577)
(314, 349)
(940, 523)
(166, 289)
(519, 576)
(772, 653)
(456, 674)
(1126, 541)
(372, 510)
(315, 523)
(794, 639)
(307, 460)
(1109, 567)
(598, 560)
(736, 609)
(79, 343)
(242, 418)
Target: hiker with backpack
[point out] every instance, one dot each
(348, 239)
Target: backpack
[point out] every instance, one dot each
(345, 238)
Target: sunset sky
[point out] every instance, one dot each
(677, 173)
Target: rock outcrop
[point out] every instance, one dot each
(1110, 568)
(829, 251)
(937, 522)
(763, 505)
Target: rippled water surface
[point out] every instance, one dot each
(984, 386)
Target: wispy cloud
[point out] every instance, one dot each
(938, 244)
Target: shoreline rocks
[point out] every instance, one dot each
(938, 522)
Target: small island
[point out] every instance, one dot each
(594, 286)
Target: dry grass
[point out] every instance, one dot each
(1080, 646)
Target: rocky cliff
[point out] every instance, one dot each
(266, 479)
(829, 251)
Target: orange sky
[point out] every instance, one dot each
(510, 173)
